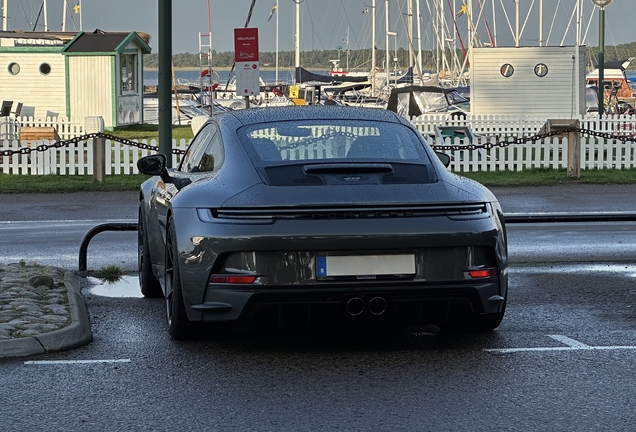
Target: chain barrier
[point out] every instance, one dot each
(628, 136)
(487, 146)
(81, 138)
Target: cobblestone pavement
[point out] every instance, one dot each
(33, 300)
(41, 310)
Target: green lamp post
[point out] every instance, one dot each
(602, 4)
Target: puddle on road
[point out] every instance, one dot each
(126, 286)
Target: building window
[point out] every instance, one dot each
(507, 70)
(128, 73)
(541, 70)
(14, 68)
(45, 68)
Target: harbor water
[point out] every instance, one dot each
(285, 76)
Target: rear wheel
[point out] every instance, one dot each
(477, 323)
(179, 326)
(148, 283)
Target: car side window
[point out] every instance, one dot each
(213, 155)
(192, 159)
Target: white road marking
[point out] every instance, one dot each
(569, 342)
(48, 362)
(572, 345)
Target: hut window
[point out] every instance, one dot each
(45, 68)
(507, 70)
(128, 73)
(14, 68)
(541, 70)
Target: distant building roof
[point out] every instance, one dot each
(29, 38)
(79, 42)
(101, 41)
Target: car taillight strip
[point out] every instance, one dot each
(482, 273)
(233, 279)
(350, 213)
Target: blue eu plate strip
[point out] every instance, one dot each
(321, 266)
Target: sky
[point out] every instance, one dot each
(326, 24)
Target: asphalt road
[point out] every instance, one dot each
(136, 378)
(563, 358)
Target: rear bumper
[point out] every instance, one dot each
(404, 303)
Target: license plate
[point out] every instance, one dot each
(365, 265)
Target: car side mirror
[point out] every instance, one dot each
(444, 158)
(154, 165)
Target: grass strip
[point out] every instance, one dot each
(10, 183)
(20, 184)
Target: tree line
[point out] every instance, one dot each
(356, 59)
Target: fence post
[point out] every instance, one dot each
(93, 125)
(574, 143)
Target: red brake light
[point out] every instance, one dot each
(233, 279)
(482, 273)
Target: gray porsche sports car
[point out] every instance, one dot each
(318, 215)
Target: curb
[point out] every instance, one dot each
(74, 335)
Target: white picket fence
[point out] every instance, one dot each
(77, 159)
(551, 152)
(596, 152)
(520, 126)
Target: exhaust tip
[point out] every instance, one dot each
(355, 306)
(377, 305)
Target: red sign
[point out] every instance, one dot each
(245, 45)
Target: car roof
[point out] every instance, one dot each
(313, 112)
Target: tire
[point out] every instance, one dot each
(475, 324)
(179, 327)
(148, 283)
(486, 323)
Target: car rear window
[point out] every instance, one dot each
(330, 141)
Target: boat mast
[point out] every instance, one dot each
(46, 17)
(373, 57)
(517, 37)
(277, 13)
(419, 34)
(540, 22)
(347, 45)
(411, 48)
(494, 22)
(409, 29)
(297, 37)
(5, 15)
(386, 39)
(441, 40)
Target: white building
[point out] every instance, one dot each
(547, 81)
(74, 74)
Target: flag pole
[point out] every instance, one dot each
(64, 15)
(5, 14)
(46, 17)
